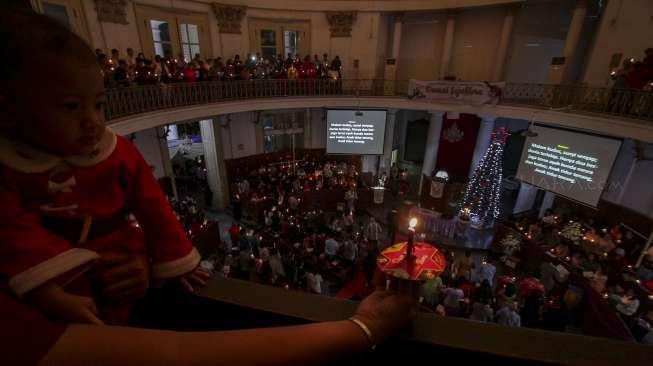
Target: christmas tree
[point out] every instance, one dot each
(482, 195)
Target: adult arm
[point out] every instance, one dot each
(322, 343)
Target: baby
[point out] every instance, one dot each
(67, 183)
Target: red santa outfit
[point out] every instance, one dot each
(60, 213)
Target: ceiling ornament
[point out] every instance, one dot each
(340, 22)
(229, 17)
(112, 11)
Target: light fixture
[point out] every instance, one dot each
(412, 223)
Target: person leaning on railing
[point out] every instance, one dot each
(28, 338)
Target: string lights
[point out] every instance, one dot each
(483, 192)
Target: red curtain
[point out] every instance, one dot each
(457, 143)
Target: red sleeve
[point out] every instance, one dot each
(25, 335)
(168, 246)
(29, 254)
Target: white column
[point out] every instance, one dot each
(167, 162)
(308, 137)
(432, 145)
(504, 41)
(172, 132)
(483, 141)
(525, 198)
(573, 34)
(396, 38)
(210, 130)
(447, 44)
(388, 142)
(558, 74)
(432, 142)
(258, 130)
(547, 203)
(368, 164)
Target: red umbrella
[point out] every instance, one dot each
(505, 280)
(427, 262)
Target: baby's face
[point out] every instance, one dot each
(60, 108)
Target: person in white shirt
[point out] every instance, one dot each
(628, 304)
(276, 265)
(508, 316)
(373, 231)
(331, 247)
(314, 282)
(350, 248)
(485, 271)
(452, 297)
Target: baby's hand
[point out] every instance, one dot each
(193, 279)
(57, 304)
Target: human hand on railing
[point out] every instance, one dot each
(385, 313)
(60, 305)
(193, 279)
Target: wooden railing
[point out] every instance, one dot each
(123, 102)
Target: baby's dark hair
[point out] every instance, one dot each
(26, 36)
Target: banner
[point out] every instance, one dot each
(464, 92)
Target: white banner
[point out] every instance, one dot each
(465, 92)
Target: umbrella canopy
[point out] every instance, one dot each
(529, 285)
(427, 263)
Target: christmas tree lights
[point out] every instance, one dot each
(480, 203)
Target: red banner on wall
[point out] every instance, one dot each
(457, 143)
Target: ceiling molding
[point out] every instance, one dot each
(360, 5)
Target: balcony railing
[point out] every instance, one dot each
(227, 304)
(123, 102)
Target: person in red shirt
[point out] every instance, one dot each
(68, 184)
(234, 233)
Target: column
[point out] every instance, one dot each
(165, 158)
(557, 75)
(368, 164)
(308, 137)
(396, 38)
(216, 171)
(547, 203)
(447, 44)
(389, 139)
(504, 41)
(432, 145)
(483, 141)
(173, 134)
(258, 128)
(525, 198)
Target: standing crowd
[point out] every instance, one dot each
(138, 70)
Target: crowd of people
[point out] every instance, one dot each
(282, 235)
(572, 259)
(635, 74)
(277, 239)
(138, 70)
(286, 234)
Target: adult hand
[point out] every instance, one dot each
(125, 278)
(386, 313)
(60, 305)
(194, 279)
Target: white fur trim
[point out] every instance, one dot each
(176, 267)
(23, 158)
(41, 273)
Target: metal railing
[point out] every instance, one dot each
(129, 101)
(630, 103)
